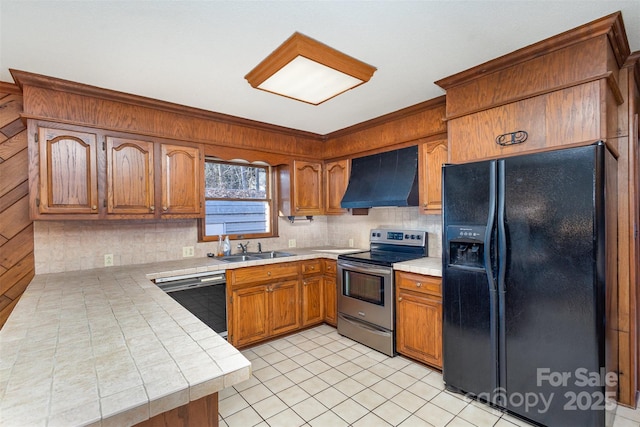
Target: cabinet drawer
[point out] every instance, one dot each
(313, 266)
(419, 283)
(261, 273)
(330, 267)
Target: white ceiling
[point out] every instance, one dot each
(197, 53)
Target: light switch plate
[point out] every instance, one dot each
(187, 251)
(108, 260)
(292, 243)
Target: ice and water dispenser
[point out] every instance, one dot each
(466, 245)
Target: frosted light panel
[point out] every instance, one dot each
(309, 81)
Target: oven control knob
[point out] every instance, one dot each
(406, 236)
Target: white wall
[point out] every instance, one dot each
(80, 245)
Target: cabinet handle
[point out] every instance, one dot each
(94, 207)
(152, 208)
(164, 208)
(419, 284)
(517, 137)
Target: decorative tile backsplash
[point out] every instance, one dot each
(81, 245)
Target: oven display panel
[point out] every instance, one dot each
(391, 235)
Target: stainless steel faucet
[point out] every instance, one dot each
(244, 247)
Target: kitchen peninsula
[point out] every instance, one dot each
(108, 347)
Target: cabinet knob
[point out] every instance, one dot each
(152, 208)
(419, 284)
(164, 208)
(312, 268)
(399, 299)
(297, 208)
(268, 273)
(94, 207)
(304, 283)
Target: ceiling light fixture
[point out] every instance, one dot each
(304, 69)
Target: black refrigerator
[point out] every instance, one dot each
(529, 284)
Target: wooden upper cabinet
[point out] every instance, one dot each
(68, 172)
(336, 178)
(307, 188)
(431, 155)
(567, 116)
(129, 176)
(181, 180)
(300, 189)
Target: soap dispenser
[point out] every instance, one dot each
(220, 251)
(227, 246)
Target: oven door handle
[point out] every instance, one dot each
(370, 328)
(368, 269)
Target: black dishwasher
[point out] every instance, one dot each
(203, 294)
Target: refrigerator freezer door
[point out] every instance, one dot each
(550, 297)
(469, 292)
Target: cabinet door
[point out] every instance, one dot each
(312, 300)
(284, 304)
(419, 327)
(68, 171)
(330, 300)
(336, 178)
(558, 118)
(181, 183)
(307, 188)
(129, 176)
(250, 316)
(432, 156)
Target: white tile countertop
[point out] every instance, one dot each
(107, 347)
(430, 266)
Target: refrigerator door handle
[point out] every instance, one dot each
(502, 262)
(502, 235)
(489, 229)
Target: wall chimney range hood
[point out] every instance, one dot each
(384, 179)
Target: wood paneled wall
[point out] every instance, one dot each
(17, 264)
(410, 126)
(62, 101)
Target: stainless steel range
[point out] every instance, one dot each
(366, 302)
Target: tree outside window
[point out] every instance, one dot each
(238, 201)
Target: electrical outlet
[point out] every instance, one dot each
(187, 251)
(292, 243)
(108, 260)
(350, 243)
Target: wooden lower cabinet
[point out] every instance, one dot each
(197, 413)
(249, 322)
(282, 305)
(312, 300)
(419, 317)
(270, 300)
(330, 292)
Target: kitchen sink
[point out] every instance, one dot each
(269, 255)
(253, 256)
(238, 258)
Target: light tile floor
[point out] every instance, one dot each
(319, 378)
